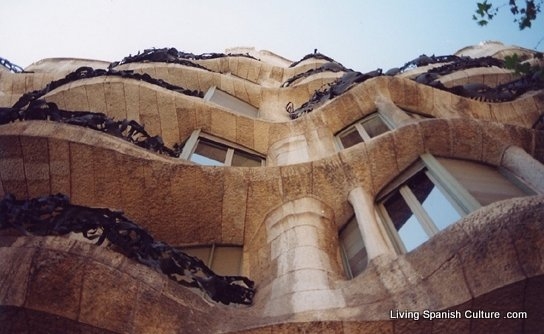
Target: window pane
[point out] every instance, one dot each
(483, 182)
(435, 203)
(243, 159)
(410, 231)
(350, 138)
(209, 154)
(412, 234)
(374, 126)
(354, 248)
(227, 260)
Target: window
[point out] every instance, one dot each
(228, 101)
(210, 151)
(371, 126)
(223, 260)
(434, 193)
(353, 249)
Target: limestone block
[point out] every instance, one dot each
(233, 64)
(75, 98)
(506, 299)
(261, 136)
(207, 79)
(329, 181)
(527, 109)
(108, 298)
(114, 93)
(383, 160)
(254, 93)
(12, 169)
(152, 124)
(254, 72)
(18, 86)
(203, 113)
(296, 181)
(155, 313)
(57, 97)
(14, 274)
(81, 174)
(96, 97)
(408, 145)
(227, 84)
(411, 97)
(342, 112)
(18, 188)
(245, 132)
(59, 166)
(37, 171)
(240, 89)
(234, 207)
(364, 98)
(528, 237)
(264, 192)
(161, 72)
(185, 119)
(489, 238)
(132, 102)
(106, 184)
(437, 136)
(276, 74)
(223, 124)
(169, 120)
(357, 167)
(33, 149)
(467, 139)
(521, 137)
(50, 271)
(148, 100)
(243, 68)
(10, 147)
(132, 181)
(505, 113)
(194, 214)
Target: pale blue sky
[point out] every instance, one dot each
(360, 34)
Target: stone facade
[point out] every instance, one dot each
(287, 215)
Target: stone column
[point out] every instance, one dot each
(304, 247)
(363, 206)
(523, 165)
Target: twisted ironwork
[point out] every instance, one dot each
(128, 130)
(172, 55)
(11, 66)
(327, 67)
(53, 215)
(88, 72)
(330, 91)
(315, 55)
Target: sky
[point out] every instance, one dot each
(360, 34)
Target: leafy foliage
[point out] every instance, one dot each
(523, 15)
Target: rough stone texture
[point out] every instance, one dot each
(491, 259)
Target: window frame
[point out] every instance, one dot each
(245, 108)
(457, 196)
(343, 252)
(193, 140)
(359, 127)
(454, 192)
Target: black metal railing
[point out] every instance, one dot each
(53, 215)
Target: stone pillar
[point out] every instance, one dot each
(523, 165)
(363, 206)
(304, 246)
